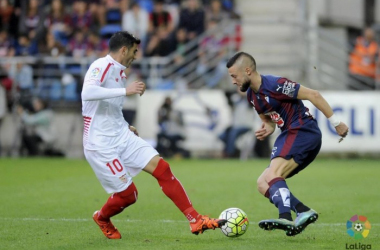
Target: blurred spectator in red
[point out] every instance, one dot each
(78, 45)
(160, 18)
(136, 21)
(192, 18)
(57, 22)
(362, 64)
(215, 11)
(81, 18)
(25, 46)
(97, 47)
(6, 44)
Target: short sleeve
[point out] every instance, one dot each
(285, 89)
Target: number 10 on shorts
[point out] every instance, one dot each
(116, 166)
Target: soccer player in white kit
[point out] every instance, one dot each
(113, 148)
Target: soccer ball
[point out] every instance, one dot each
(237, 222)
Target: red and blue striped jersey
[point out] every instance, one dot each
(277, 98)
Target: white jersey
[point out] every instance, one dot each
(102, 100)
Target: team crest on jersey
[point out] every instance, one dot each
(124, 178)
(95, 72)
(289, 88)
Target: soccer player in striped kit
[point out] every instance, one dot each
(113, 148)
(278, 101)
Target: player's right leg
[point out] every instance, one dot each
(278, 193)
(173, 189)
(114, 178)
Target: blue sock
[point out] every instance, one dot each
(294, 202)
(280, 195)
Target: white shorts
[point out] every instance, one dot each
(115, 167)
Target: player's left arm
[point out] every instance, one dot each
(320, 103)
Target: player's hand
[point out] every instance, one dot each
(135, 88)
(265, 130)
(134, 130)
(342, 129)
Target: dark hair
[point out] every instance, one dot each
(235, 57)
(122, 38)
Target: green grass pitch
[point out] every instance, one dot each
(48, 204)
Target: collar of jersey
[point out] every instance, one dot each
(109, 58)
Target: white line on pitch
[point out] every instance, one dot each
(139, 221)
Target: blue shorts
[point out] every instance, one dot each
(301, 144)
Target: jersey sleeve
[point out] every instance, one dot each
(93, 86)
(285, 89)
(97, 73)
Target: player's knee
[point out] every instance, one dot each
(262, 185)
(129, 195)
(162, 171)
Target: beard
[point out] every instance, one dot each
(244, 87)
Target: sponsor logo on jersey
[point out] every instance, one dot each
(95, 72)
(276, 118)
(289, 88)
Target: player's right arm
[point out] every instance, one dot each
(267, 127)
(97, 75)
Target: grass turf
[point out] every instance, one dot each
(48, 204)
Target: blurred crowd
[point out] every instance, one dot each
(78, 29)
(75, 29)
(81, 28)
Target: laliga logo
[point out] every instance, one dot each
(358, 228)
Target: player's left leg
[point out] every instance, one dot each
(115, 204)
(173, 189)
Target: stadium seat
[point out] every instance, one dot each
(146, 5)
(70, 92)
(55, 91)
(109, 29)
(113, 16)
